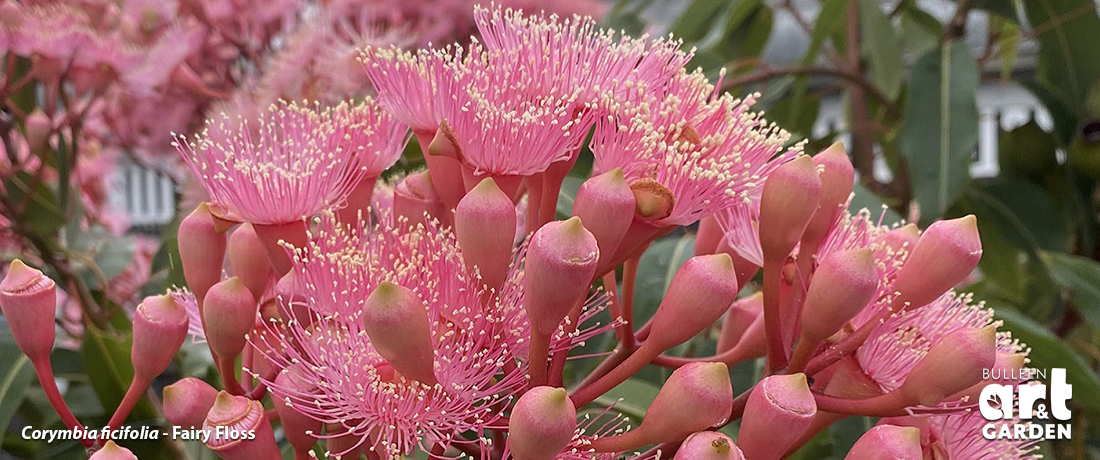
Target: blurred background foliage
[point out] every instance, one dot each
(902, 82)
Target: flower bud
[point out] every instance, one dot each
(415, 196)
(541, 424)
(229, 314)
(605, 203)
(112, 451)
(160, 326)
(700, 291)
(187, 402)
(954, 363)
(709, 236)
(37, 128)
(561, 261)
(444, 167)
(887, 442)
(779, 410)
(903, 238)
(742, 314)
(653, 201)
(202, 251)
(300, 430)
(695, 397)
(248, 260)
(235, 415)
(947, 252)
(837, 178)
(485, 226)
(1006, 365)
(396, 321)
(29, 299)
(790, 197)
(841, 286)
(708, 445)
(292, 233)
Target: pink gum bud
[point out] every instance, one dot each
(187, 402)
(708, 445)
(741, 315)
(954, 363)
(300, 430)
(442, 156)
(28, 299)
(542, 424)
(274, 236)
(903, 238)
(790, 197)
(653, 201)
(947, 252)
(605, 203)
(695, 397)
(396, 321)
(709, 236)
(841, 287)
(561, 261)
(779, 410)
(202, 251)
(837, 177)
(1007, 365)
(415, 199)
(160, 326)
(248, 260)
(238, 415)
(37, 128)
(229, 314)
(700, 291)
(887, 442)
(112, 451)
(485, 226)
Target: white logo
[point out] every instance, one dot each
(1038, 412)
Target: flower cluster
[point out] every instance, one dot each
(436, 312)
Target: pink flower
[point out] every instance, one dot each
(478, 347)
(296, 162)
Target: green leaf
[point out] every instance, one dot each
(1050, 351)
(1027, 215)
(655, 271)
(940, 130)
(1081, 276)
(828, 21)
(696, 19)
(107, 361)
(631, 398)
(1066, 31)
(42, 215)
(15, 378)
(569, 188)
(882, 48)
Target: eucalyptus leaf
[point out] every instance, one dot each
(1081, 276)
(882, 47)
(15, 378)
(1050, 351)
(940, 130)
(1068, 62)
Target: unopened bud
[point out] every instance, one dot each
(160, 326)
(741, 315)
(229, 314)
(396, 321)
(248, 260)
(561, 261)
(274, 236)
(779, 410)
(709, 236)
(605, 203)
(202, 251)
(240, 430)
(541, 424)
(947, 252)
(954, 363)
(300, 429)
(887, 442)
(700, 291)
(112, 451)
(37, 128)
(790, 198)
(442, 157)
(187, 402)
(28, 299)
(841, 287)
(837, 177)
(414, 198)
(903, 238)
(485, 226)
(708, 445)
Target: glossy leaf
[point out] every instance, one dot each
(1050, 351)
(940, 131)
(882, 48)
(1066, 31)
(15, 376)
(1081, 277)
(630, 398)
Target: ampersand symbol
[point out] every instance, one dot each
(1042, 411)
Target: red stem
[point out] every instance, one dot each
(538, 353)
(133, 395)
(773, 325)
(44, 372)
(619, 374)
